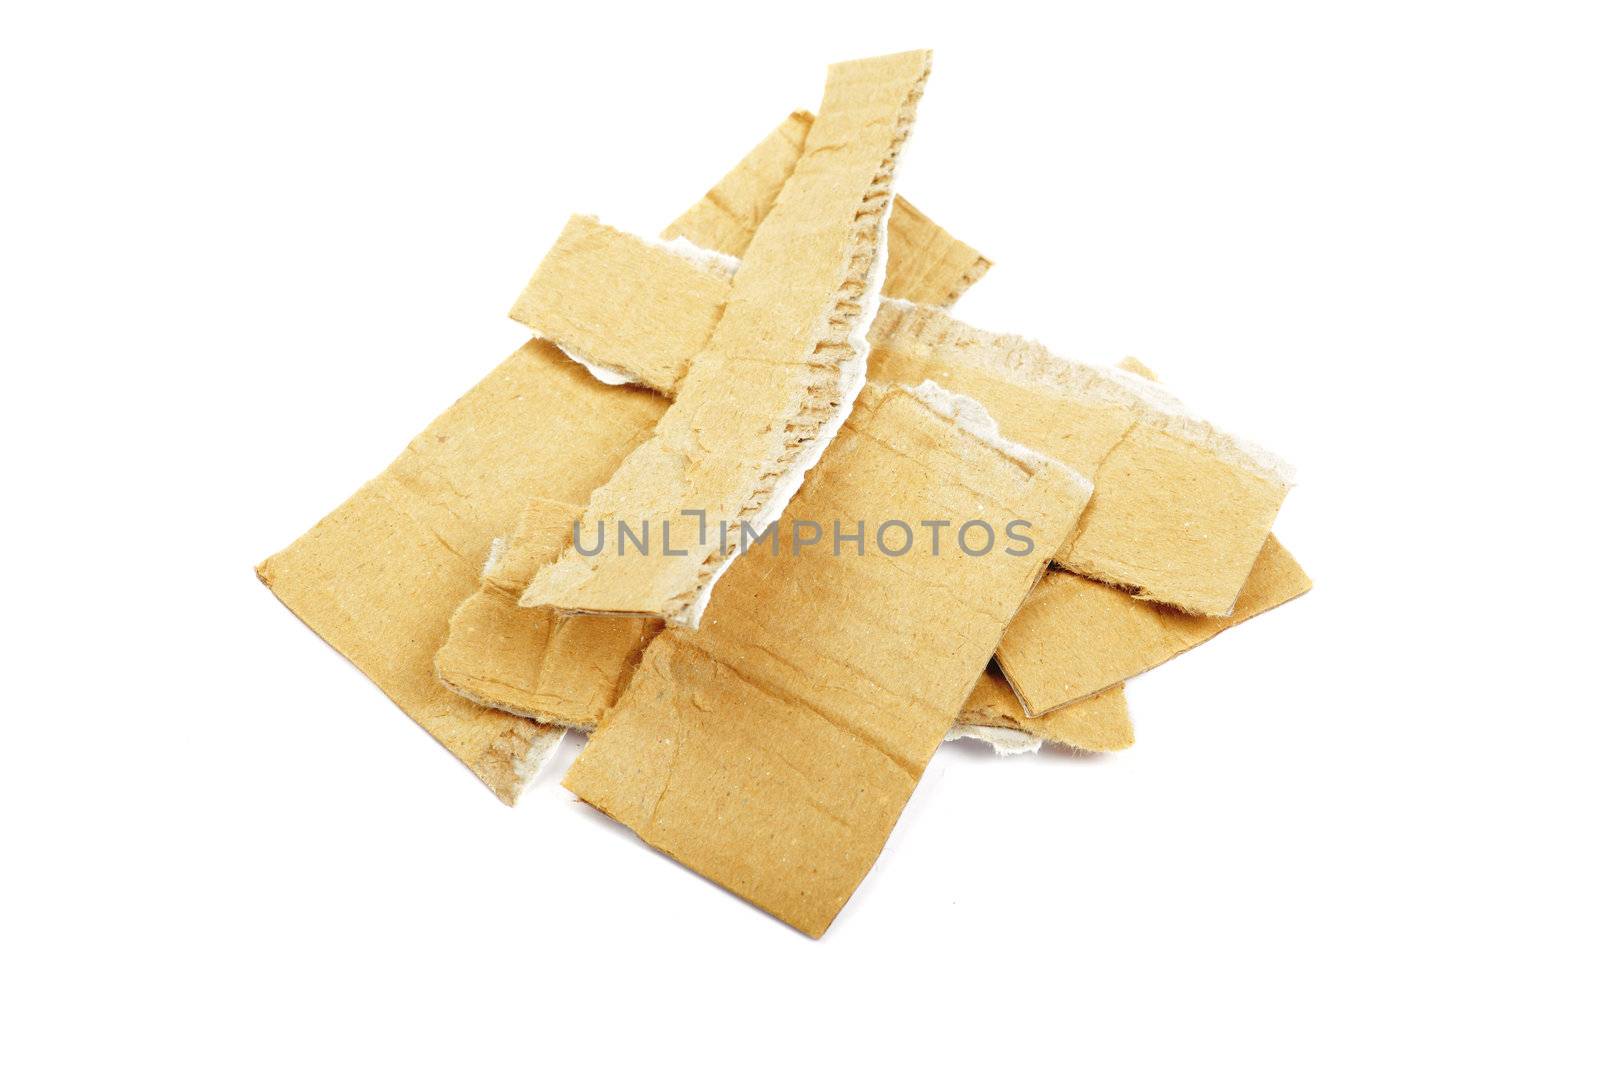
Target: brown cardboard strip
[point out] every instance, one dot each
(773, 749)
(1098, 723)
(785, 361)
(1074, 637)
(379, 578)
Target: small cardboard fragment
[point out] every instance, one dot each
(773, 749)
(784, 364)
(1098, 723)
(1075, 637)
(637, 310)
(379, 578)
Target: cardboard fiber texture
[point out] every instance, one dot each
(784, 363)
(1098, 723)
(1074, 637)
(926, 264)
(379, 578)
(1181, 509)
(773, 749)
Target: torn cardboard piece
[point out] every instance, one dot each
(1074, 637)
(784, 364)
(1098, 723)
(379, 578)
(773, 749)
(926, 264)
(1181, 509)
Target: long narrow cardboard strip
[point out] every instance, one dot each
(1181, 510)
(787, 357)
(1074, 637)
(1099, 723)
(379, 577)
(773, 749)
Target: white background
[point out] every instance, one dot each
(249, 250)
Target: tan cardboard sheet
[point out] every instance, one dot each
(926, 264)
(1099, 723)
(379, 578)
(1181, 509)
(784, 363)
(773, 749)
(1074, 637)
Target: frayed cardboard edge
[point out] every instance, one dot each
(1003, 739)
(1040, 368)
(527, 766)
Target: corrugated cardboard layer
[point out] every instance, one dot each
(757, 408)
(773, 748)
(1181, 509)
(1099, 723)
(926, 264)
(379, 578)
(1074, 637)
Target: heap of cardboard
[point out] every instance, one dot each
(756, 513)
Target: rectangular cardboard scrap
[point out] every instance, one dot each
(1074, 637)
(926, 264)
(787, 357)
(773, 749)
(1181, 509)
(379, 578)
(992, 713)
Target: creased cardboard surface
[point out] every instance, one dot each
(1098, 723)
(773, 748)
(758, 406)
(1074, 636)
(379, 578)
